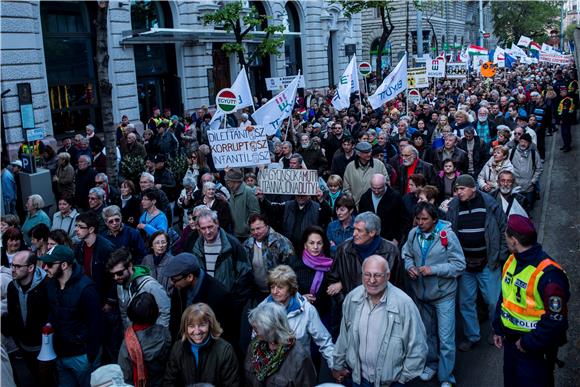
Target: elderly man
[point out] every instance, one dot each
(243, 202)
(345, 274)
(287, 150)
(479, 223)
(486, 128)
(121, 235)
(357, 176)
(508, 194)
(477, 152)
(84, 181)
(451, 151)
(133, 148)
(388, 205)
(112, 194)
(528, 168)
(266, 249)
(97, 204)
(147, 181)
(413, 165)
(382, 339)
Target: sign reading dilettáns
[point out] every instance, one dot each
(289, 181)
(235, 147)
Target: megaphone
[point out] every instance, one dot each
(47, 350)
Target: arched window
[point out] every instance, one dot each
(293, 45)
(150, 14)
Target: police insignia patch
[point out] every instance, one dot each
(555, 304)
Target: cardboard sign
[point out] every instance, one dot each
(237, 147)
(414, 96)
(417, 78)
(289, 181)
(279, 83)
(456, 70)
(488, 69)
(436, 68)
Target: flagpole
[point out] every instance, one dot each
(253, 106)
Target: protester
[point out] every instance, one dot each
(36, 215)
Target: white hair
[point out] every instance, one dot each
(148, 176)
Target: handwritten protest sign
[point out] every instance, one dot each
(289, 181)
(235, 147)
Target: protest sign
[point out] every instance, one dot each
(456, 70)
(279, 83)
(436, 68)
(237, 147)
(417, 77)
(289, 181)
(556, 58)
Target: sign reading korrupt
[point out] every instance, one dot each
(417, 77)
(236, 147)
(274, 84)
(456, 70)
(289, 181)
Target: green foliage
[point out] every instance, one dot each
(178, 166)
(569, 32)
(243, 23)
(132, 167)
(513, 19)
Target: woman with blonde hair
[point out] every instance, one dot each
(498, 162)
(201, 356)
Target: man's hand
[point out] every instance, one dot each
(339, 375)
(334, 289)
(259, 193)
(425, 271)
(498, 341)
(519, 346)
(413, 273)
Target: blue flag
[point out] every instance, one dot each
(491, 54)
(509, 61)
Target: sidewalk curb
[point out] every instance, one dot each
(546, 191)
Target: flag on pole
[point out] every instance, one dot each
(524, 41)
(347, 84)
(499, 57)
(276, 110)
(394, 84)
(547, 48)
(476, 50)
(516, 51)
(509, 61)
(241, 87)
(535, 49)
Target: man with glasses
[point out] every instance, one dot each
(93, 251)
(333, 139)
(412, 165)
(96, 205)
(192, 284)
(75, 315)
(28, 310)
(342, 158)
(368, 320)
(112, 195)
(133, 280)
(121, 235)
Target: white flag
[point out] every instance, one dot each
(547, 48)
(276, 110)
(516, 51)
(524, 41)
(347, 84)
(394, 83)
(241, 87)
(499, 57)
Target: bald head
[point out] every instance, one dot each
(378, 179)
(376, 261)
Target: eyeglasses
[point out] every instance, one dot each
(177, 278)
(16, 266)
(114, 220)
(81, 227)
(160, 243)
(375, 276)
(51, 264)
(93, 198)
(118, 273)
(99, 182)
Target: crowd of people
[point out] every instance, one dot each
(422, 212)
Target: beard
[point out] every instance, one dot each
(408, 163)
(505, 190)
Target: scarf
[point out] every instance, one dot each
(319, 263)
(266, 362)
(136, 355)
(333, 197)
(369, 249)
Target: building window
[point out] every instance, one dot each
(293, 45)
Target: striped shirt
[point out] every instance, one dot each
(212, 251)
(471, 232)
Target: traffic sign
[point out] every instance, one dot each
(486, 35)
(364, 68)
(226, 100)
(35, 134)
(414, 96)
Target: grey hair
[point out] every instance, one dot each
(298, 157)
(91, 127)
(207, 185)
(37, 201)
(64, 156)
(98, 191)
(288, 143)
(84, 140)
(372, 221)
(188, 181)
(269, 320)
(402, 121)
(202, 208)
(111, 211)
(102, 176)
(483, 110)
(87, 159)
(413, 149)
(149, 176)
(213, 215)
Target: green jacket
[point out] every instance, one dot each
(243, 203)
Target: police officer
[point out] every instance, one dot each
(531, 319)
(566, 117)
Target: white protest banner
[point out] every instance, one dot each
(435, 68)
(276, 110)
(394, 84)
(547, 48)
(456, 70)
(241, 87)
(417, 77)
(347, 84)
(279, 83)
(556, 58)
(289, 181)
(239, 147)
(524, 41)
(516, 51)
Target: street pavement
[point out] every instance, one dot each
(557, 216)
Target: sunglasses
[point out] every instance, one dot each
(118, 273)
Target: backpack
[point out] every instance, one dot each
(513, 152)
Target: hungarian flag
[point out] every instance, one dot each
(535, 46)
(476, 50)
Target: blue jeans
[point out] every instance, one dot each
(74, 371)
(366, 383)
(439, 320)
(489, 283)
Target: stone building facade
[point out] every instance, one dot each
(161, 54)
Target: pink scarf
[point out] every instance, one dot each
(319, 263)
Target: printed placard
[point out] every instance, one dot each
(289, 181)
(239, 147)
(417, 77)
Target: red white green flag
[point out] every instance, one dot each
(535, 46)
(476, 50)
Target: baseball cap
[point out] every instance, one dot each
(159, 158)
(58, 253)
(18, 163)
(183, 263)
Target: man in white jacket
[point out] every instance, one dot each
(382, 339)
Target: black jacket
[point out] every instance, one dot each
(132, 211)
(391, 210)
(102, 250)
(480, 155)
(423, 168)
(84, 181)
(459, 156)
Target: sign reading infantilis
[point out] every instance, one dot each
(235, 147)
(289, 181)
(226, 100)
